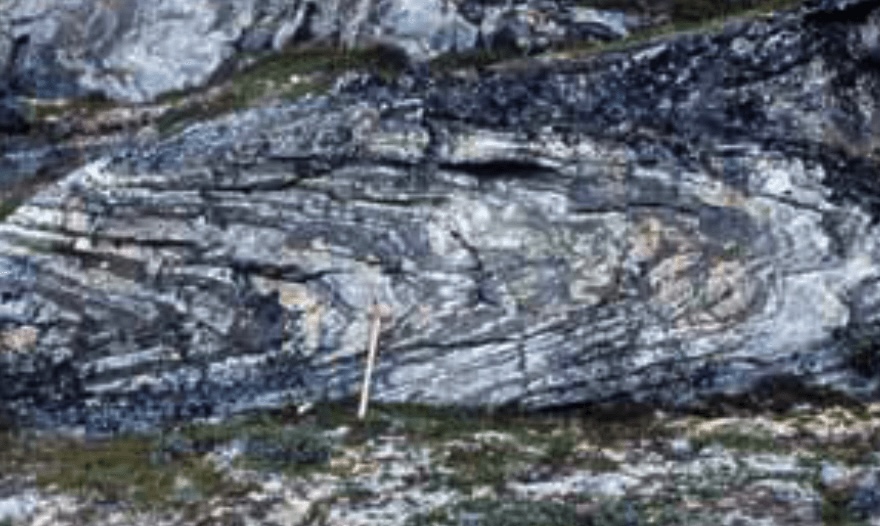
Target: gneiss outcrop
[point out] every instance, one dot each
(136, 50)
(61, 62)
(691, 218)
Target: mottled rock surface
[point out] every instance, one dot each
(136, 50)
(130, 50)
(409, 467)
(692, 218)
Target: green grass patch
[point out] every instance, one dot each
(560, 430)
(834, 506)
(476, 58)
(560, 448)
(429, 424)
(509, 512)
(265, 442)
(287, 75)
(854, 450)
(278, 67)
(747, 442)
(835, 510)
(8, 206)
(684, 16)
(622, 426)
(123, 469)
(13, 194)
(484, 464)
(484, 512)
(41, 111)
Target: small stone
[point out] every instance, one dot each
(17, 508)
(19, 340)
(681, 448)
(831, 475)
(338, 434)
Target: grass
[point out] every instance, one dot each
(747, 442)
(267, 443)
(7, 207)
(169, 470)
(683, 16)
(164, 470)
(485, 512)
(620, 426)
(286, 76)
(834, 506)
(560, 448)
(476, 58)
(477, 465)
(511, 512)
(428, 424)
(854, 450)
(82, 107)
(293, 73)
(486, 462)
(835, 510)
(121, 469)
(16, 192)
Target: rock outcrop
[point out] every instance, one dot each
(692, 218)
(73, 48)
(136, 50)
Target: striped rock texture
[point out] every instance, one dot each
(693, 218)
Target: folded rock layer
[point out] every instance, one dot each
(695, 217)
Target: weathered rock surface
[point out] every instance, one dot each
(129, 50)
(412, 469)
(135, 50)
(691, 219)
